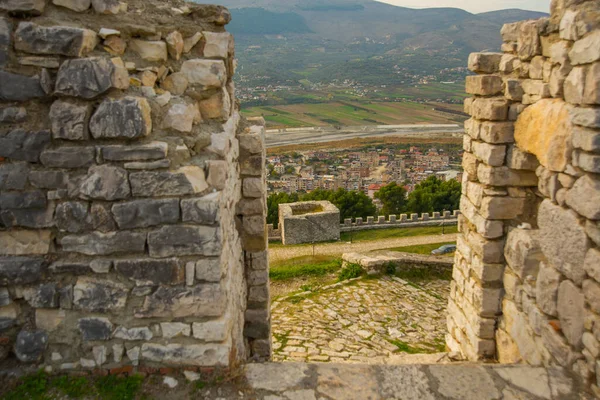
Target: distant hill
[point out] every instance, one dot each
(502, 17)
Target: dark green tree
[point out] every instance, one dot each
(273, 202)
(434, 194)
(393, 199)
(351, 204)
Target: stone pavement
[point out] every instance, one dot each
(357, 322)
(291, 381)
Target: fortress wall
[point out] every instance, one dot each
(132, 193)
(527, 271)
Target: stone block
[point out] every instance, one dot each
(583, 197)
(17, 87)
(571, 311)
(133, 334)
(30, 345)
(587, 117)
(218, 44)
(563, 240)
(23, 146)
(175, 83)
(591, 93)
(509, 63)
(252, 165)
(586, 50)
(181, 117)
(68, 157)
(109, 7)
(73, 217)
(484, 85)
(150, 151)
(185, 181)
(75, 5)
(257, 324)
(504, 176)
(218, 106)
(209, 270)
(146, 213)
(586, 161)
(203, 210)
(69, 120)
(97, 243)
(529, 44)
(43, 296)
(23, 7)
(501, 207)
(99, 295)
(54, 40)
(151, 272)
(510, 31)
(127, 118)
(523, 253)
(12, 114)
(153, 51)
(591, 290)
(46, 179)
(497, 132)
(484, 62)
(174, 329)
(491, 251)
(86, 77)
(514, 90)
(28, 218)
(20, 270)
(207, 73)
(536, 68)
(95, 329)
(208, 355)
(518, 159)
(23, 200)
(207, 300)
(586, 139)
(211, 331)
(491, 109)
(105, 182)
(149, 165)
(253, 187)
(184, 240)
(592, 264)
(489, 153)
(49, 320)
(307, 222)
(22, 242)
(218, 174)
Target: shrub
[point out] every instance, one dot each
(350, 271)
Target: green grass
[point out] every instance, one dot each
(307, 266)
(422, 248)
(406, 348)
(350, 271)
(377, 234)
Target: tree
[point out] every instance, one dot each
(273, 202)
(351, 204)
(393, 198)
(434, 194)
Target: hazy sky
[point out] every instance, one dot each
(475, 6)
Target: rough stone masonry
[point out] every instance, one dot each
(132, 193)
(526, 282)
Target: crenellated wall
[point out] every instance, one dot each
(132, 193)
(527, 271)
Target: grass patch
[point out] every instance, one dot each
(350, 271)
(423, 273)
(377, 234)
(307, 266)
(406, 348)
(116, 388)
(423, 248)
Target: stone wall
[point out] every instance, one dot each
(527, 271)
(132, 194)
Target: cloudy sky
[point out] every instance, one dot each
(476, 6)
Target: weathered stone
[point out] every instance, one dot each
(583, 197)
(21, 242)
(206, 300)
(586, 139)
(586, 50)
(99, 295)
(97, 243)
(133, 334)
(211, 331)
(544, 129)
(492, 109)
(184, 181)
(108, 6)
(177, 354)
(517, 159)
(257, 324)
(592, 264)
(31, 345)
(145, 213)
(23, 7)
(69, 120)
(22, 145)
(217, 44)
(208, 73)
(202, 210)
(571, 307)
(588, 117)
(489, 153)
(591, 290)
(191, 42)
(73, 217)
(484, 62)
(484, 85)
(504, 176)
(176, 83)
(13, 176)
(49, 320)
(61, 40)
(68, 157)
(181, 117)
(252, 187)
(85, 77)
(591, 92)
(150, 50)
(150, 151)
(251, 142)
(21, 200)
(208, 270)
(43, 296)
(115, 45)
(20, 270)
(529, 44)
(175, 44)
(94, 329)
(150, 272)
(127, 118)
(586, 161)
(513, 90)
(46, 179)
(105, 182)
(28, 218)
(75, 5)
(218, 106)
(522, 253)
(184, 240)
(174, 329)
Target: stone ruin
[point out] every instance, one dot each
(132, 193)
(309, 222)
(526, 283)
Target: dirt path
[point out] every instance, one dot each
(283, 253)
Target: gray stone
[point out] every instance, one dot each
(151, 272)
(150, 151)
(591, 290)
(66, 297)
(174, 329)
(563, 240)
(196, 355)
(207, 73)
(184, 240)
(4, 297)
(20, 270)
(251, 206)
(73, 217)
(588, 117)
(529, 44)
(19, 87)
(548, 281)
(99, 295)
(13, 176)
(68, 157)
(522, 252)
(94, 329)
(23, 200)
(586, 139)
(126, 118)
(151, 50)
(97, 243)
(22, 145)
(59, 40)
(28, 218)
(107, 6)
(583, 197)
(75, 5)
(586, 50)
(208, 270)
(104, 182)
(258, 296)
(206, 300)
(7, 323)
(145, 213)
(484, 62)
(204, 210)
(161, 164)
(472, 383)
(85, 77)
(257, 324)
(211, 331)
(13, 114)
(70, 267)
(272, 377)
(43, 296)
(306, 222)
(184, 181)
(133, 334)
(48, 179)
(5, 42)
(592, 264)
(70, 120)
(102, 217)
(586, 161)
(23, 7)
(571, 312)
(31, 345)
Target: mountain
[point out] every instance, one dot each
(511, 15)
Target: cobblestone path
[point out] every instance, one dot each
(287, 252)
(358, 321)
